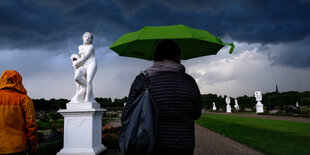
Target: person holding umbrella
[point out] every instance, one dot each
(175, 93)
(176, 96)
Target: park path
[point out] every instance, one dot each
(212, 143)
(286, 118)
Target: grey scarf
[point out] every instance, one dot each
(165, 66)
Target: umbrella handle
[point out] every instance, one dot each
(232, 47)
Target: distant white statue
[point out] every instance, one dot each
(214, 107)
(85, 67)
(236, 105)
(228, 107)
(297, 104)
(259, 105)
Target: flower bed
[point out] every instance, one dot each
(110, 135)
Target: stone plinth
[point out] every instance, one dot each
(82, 129)
(214, 108)
(259, 107)
(84, 105)
(228, 109)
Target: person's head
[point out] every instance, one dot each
(87, 38)
(11, 79)
(167, 50)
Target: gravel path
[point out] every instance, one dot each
(212, 143)
(287, 118)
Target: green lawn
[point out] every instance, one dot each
(245, 112)
(265, 135)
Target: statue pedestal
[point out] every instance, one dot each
(228, 109)
(259, 107)
(82, 129)
(84, 105)
(214, 108)
(237, 107)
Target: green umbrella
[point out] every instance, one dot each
(192, 42)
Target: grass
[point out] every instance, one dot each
(275, 137)
(245, 112)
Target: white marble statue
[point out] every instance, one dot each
(228, 107)
(297, 104)
(214, 107)
(259, 105)
(85, 67)
(236, 105)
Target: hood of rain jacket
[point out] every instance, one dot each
(18, 128)
(12, 79)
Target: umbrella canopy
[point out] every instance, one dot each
(192, 42)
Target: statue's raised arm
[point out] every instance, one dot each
(85, 68)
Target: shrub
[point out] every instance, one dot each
(305, 112)
(49, 148)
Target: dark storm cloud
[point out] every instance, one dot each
(249, 21)
(26, 24)
(131, 7)
(295, 54)
(62, 5)
(50, 25)
(266, 21)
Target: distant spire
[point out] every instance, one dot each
(277, 90)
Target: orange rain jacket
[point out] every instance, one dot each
(18, 127)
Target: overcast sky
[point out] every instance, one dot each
(272, 40)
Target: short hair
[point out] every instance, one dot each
(167, 50)
(91, 36)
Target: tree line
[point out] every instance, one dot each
(271, 100)
(53, 105)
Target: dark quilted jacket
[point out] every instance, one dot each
(177, 98)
